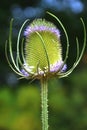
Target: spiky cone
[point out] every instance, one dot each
(42, 56)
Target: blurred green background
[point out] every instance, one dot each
(19, 100)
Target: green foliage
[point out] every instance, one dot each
(20, 110)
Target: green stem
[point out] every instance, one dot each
(44, 103)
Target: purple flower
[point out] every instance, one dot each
(41, 27)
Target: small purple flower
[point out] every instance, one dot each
(43, 27)
(57, 67)
(25, 73)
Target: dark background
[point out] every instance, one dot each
(20, 100)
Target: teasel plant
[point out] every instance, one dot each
(39, 55)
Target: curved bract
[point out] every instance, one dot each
(42, 53)
(79, 54)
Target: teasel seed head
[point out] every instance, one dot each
(42, 50)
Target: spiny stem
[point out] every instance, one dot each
(44, 103)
